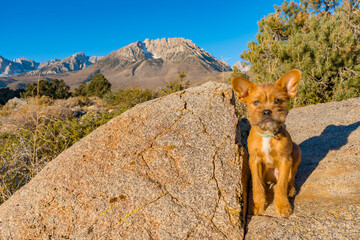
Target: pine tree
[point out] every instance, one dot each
(58, 89)
(98, 86)
(317, 37)
(55, 88)
(80, 90)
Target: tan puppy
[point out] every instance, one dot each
(273, 156)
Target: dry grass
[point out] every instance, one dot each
(35, 132)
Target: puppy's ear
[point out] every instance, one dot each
(242, 87)
(289, 82)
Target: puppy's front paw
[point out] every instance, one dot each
(259, 206)
(292, 191)
(259, 210)
(283, 210)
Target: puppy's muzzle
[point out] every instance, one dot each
(267, 113)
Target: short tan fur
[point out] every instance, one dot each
(275, 158)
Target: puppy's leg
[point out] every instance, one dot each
(258, 185)
(296, 157)
(281, 200)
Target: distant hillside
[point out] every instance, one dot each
(27, 67)
(149, 64)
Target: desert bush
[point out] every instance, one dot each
(320, 38)
(80, 101)
(37, 111)
(16, 168)
(176, 86)
(124, 99)
(24, 153)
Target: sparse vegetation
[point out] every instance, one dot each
(175, 86)
(124, 99)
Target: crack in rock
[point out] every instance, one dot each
(191, 232)
(177, 201)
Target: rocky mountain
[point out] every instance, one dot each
(26, 67)
(27, 64)
(78, 61)
(48, 63)
(183, 50)
(93, 59)
(153, 63)
(18, 65)
(172, 50)
(148, 64)
(241, 66)
(4, 66)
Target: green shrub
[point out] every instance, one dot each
(98, 86)
(320, 38)
(55, 88)
(80, 90)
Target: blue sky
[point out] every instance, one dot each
(43, 30)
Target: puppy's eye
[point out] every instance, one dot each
(257, 102)
(278, 101)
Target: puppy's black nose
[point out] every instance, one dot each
(267, 112)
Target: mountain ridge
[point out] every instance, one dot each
(154, 63)
(27, 67)
(8, 67)
(148, 64)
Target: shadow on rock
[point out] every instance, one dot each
(315, 149)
